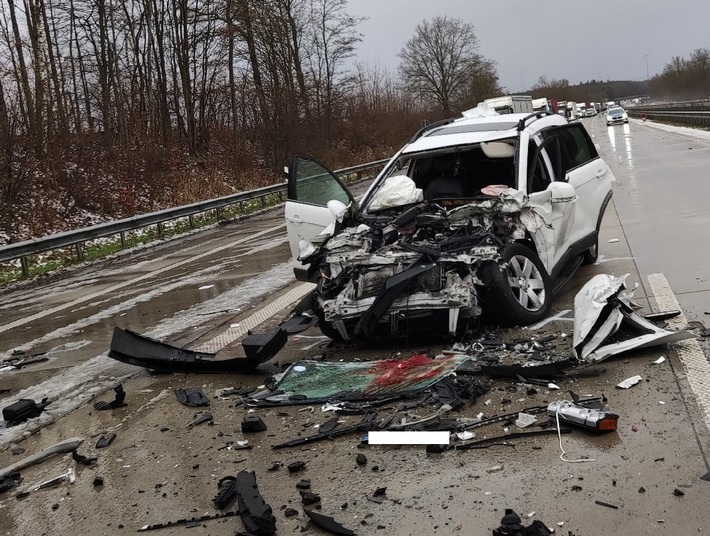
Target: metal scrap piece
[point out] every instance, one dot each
(60, 448)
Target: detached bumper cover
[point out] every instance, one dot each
(135, 349)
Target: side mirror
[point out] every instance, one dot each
(562, 192)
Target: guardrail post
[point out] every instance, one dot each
(263, 200)
(123, 240)
(191, 219)
(79, 251)
(25, 266)
(160, 230)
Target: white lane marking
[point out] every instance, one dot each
(236, 331)
(689, 351)
(561, 316)
(118, 286)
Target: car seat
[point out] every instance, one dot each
(445, 184)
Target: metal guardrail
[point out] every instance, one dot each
(78, 237)
(692, 113)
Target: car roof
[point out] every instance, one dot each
(467, 131)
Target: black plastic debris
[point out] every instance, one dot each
(193, 397)
(191, 522)
(608, 505)
(9, 482)
(264, 346)
(328, 426)
(298, 323)
(253, 423)
(227, 492)
(308, 497)
(117, 402)
(303, 484)
(82, 460)
(105, 440)
(98, 481)
(290, 512)
(22, 410)
(512, 525)
(678, 492)
(328, 524)
(361, 459)
(662, 315)
(274, 467)
(256, 515)
(17, 450)
(706, 477)
(377, 496)
(294, 467)
(204, 417)
(436, 449)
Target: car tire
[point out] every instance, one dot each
(592, 254)
(520, 292)
(328, 329)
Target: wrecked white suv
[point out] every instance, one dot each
(477, 216)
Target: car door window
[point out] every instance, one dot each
(575, 145)
(543, 164)
(312, 182)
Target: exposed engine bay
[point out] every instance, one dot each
(423, 263)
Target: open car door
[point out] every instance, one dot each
(311, 185)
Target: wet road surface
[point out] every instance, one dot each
(159, 470)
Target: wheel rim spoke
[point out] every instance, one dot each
(534, 298)
(536, 284)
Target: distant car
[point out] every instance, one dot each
(474, 216)
(616, 115)
(591, 112)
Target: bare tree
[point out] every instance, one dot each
(440, 62)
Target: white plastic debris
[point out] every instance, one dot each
(613, 240)
(488, 402)
(305, 249)
(659, 360)
(525, 419)
(205, 287)
(629, 382)
(552, 386)
(463, 436)
(494, 469)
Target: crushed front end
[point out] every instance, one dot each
(415, 270)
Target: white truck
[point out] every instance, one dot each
(511, 104)
(541, 105)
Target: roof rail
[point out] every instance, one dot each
(429, 126)
(535, 115)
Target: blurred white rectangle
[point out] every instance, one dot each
(408, 438)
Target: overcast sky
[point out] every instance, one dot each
(609, 40)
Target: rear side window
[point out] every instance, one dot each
(576, 147)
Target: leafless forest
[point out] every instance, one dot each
(110, 108)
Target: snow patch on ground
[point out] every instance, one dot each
(71, 388)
